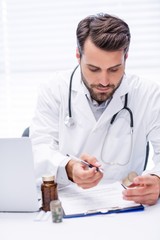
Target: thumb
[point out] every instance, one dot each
(91, 160)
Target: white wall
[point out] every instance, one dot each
(38, 37)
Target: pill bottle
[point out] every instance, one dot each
(56, 211)
(49, 191)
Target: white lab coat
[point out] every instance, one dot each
(53, 140)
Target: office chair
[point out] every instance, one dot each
(26, 132)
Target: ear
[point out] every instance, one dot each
(126, 55)
(78, 56)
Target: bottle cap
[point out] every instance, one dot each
(48, 178)
(55, 203)
(129, 179)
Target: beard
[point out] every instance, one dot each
(100, 96)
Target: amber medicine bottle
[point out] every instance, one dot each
(49, 192)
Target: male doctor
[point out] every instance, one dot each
(99, 114)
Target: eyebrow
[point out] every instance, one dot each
(90, 65)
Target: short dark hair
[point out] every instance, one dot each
(107, 32)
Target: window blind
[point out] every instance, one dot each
(38, 37)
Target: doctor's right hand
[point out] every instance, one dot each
(84, 176)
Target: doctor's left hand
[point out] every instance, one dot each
(144, 189)
(82, 175)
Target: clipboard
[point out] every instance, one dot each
(100, 200)
(103, 212)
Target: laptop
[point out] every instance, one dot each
(18, 191)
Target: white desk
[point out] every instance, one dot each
(123, 226)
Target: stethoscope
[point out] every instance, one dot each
(69, 121)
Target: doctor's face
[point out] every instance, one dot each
(102, 71)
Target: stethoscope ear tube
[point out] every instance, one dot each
(69, 95)
(69, 121)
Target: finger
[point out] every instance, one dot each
(144, 180)
(134, 192)
(86, 185)
(147, 200)
(89, 173)
(90, 159)
(89, 176)
(82, 174)
(145, 194)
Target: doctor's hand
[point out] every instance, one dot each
(144, 189)
(83, 175)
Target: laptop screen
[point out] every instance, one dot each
(18, 191)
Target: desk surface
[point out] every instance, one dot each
(126, 226)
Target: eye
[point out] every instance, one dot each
(113, 69)
(93, 69)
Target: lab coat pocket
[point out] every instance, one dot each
(118, 143)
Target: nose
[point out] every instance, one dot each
(104, 78)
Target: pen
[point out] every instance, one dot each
(85, 163)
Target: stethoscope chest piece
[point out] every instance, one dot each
(69, 122)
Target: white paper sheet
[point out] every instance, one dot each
(102, 198)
